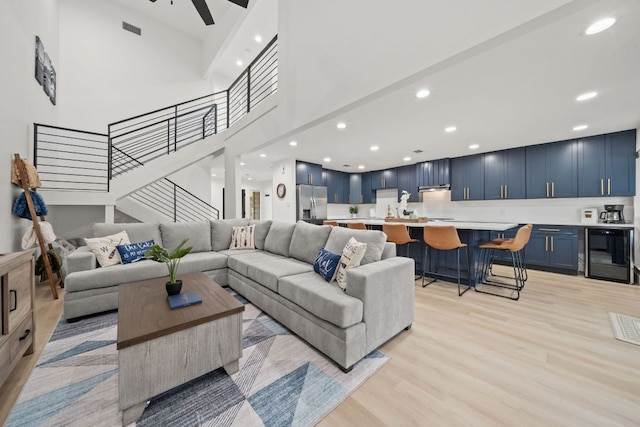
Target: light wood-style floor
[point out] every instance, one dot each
(476, 360)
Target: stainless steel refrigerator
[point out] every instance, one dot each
(311, 203)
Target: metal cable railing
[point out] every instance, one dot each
(71, 160)
(171, 200)
(137, 140)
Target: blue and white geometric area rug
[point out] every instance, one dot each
(282, 381)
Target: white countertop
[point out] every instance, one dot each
(463, 225)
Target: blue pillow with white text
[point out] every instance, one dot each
(132, 252)
(326, 264)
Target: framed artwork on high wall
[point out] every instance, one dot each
(45, 74)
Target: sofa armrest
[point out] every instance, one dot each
(80, 260)
(387, 291)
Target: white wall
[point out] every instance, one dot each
(23, 100)
(196, 179)
(284, 172)
(70, 222)
(266, 200)
(109, 74)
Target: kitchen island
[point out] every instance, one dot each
(472, 233)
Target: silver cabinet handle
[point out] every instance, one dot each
(547, 189)
(549, 229)
(468, 193)
(506, 191)
(546, 243)
(601, 186)
(608, 186)
(502, 191)
(551, 243)
(553, 189)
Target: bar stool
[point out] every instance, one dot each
(444, 238)
(398, 234)
(333, 223)
(515, 247)
(356, 225)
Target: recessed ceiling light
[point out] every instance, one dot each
(600, 26)
(422, 93)
(263, 155)
(213, 174)
(587, 95)
(239, 63)
(249, 178)
(258, 38)
(241, 163)
(361, 167)
(374, 148)
(293, 143)
(473, 146)
(407, 159)
(327, 159)
(580, 127)
(450, 129)
(341, 125)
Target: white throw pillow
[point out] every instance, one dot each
(351, 257)
(243, 237)
(105, 248)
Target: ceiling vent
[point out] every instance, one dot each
(346, 166)
(418, 151)
(131, 28)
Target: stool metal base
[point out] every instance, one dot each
(458, 277)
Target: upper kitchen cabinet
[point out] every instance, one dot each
(467, 178)
(504, 174)
(434, 172)
(552, 170)
(408, 181)
(368, 193)
(308, 173)
(337, 186)
(387, 178)
(355, 188)
(607, 165)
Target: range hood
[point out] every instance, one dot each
(438, 187)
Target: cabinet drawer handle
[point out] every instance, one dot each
(601, 186)
(14, 293)
(608, 186)
(549, 229)
(546, 243)
(26, 334)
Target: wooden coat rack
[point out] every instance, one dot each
(26, 184)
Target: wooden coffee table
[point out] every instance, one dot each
(160, 348)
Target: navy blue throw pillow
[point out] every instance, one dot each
(326, 264)
(133, 252)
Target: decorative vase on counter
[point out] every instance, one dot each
(173, 288)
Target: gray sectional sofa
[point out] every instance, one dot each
(276, 276)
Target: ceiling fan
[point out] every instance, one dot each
(205, 13)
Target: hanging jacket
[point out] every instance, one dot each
(21, 208)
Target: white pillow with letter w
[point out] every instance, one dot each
(105, 248)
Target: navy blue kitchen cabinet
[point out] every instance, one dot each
(383, 179)
(408, 181)
(355, 188)
(467, 178)
(338, 186)
(434, 172)
(504, 174)
(309, 173)
(607, 165)
(552, 170)
(368, 193)
(553, 248)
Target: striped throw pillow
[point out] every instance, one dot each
(243, 237)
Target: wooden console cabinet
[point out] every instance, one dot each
(17, 323)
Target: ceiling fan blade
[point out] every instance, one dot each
(243, 3)
(203, 10)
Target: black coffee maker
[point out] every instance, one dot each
(612, 214)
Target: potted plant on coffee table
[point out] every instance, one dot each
(172, 259)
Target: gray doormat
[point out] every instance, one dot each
(626, 328)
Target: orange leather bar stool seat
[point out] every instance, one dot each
(515, 247)
(444, 238)
(356, 225)
(398, 234)
(334, 223)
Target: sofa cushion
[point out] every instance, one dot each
(374, 239)
(198, 233)
(307, 240)
(326, 264)
(114, 275)
(325, 300)
(352, 255)
(279, 238)
(105, 250)
(221, 230)
(133, 252)
(241, 263)
(137, 231)
(268, 273)
(201, 261)
(262, 229)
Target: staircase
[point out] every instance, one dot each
(127, 166)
